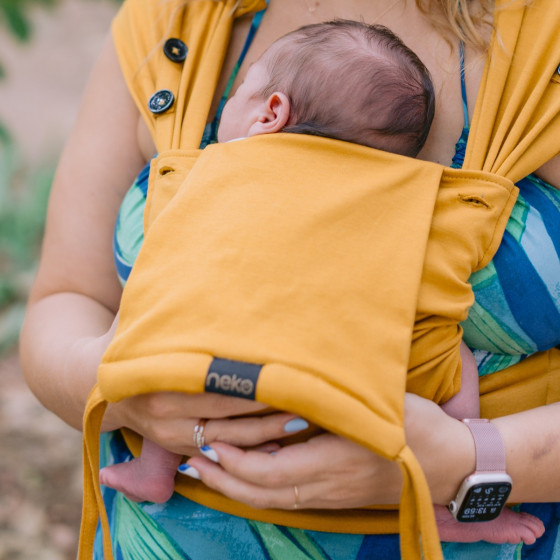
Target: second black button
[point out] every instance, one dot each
(161, 101)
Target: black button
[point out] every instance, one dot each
(175, 50)
(161, 101)
(558, 70)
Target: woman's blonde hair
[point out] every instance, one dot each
(460, 18)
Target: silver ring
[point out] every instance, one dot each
(198, 434)
(296, 496)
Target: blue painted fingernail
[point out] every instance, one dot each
(209, 453)
(295, 425)
(189, 471)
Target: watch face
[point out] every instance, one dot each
(484, 501)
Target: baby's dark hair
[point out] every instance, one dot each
(355, 82)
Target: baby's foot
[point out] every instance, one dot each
(508, 527)
(138, 483)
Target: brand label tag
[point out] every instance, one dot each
(233, 378)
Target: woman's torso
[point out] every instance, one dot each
(282, 16)
(495, 328)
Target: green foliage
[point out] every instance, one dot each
(13, 13)
(23, 196)
(23, 199)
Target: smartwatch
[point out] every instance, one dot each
(484, 493)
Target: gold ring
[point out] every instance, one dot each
(296, 495)
(198, 434)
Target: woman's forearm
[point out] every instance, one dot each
(532, 440)
(442, 445)
(445, 449)
(62, 341)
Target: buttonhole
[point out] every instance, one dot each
(474, 200)
(166, 170)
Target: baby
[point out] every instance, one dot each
(357, 83)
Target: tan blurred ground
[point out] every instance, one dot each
(40, 457)
(40, 476)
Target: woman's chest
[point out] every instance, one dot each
(439, 55)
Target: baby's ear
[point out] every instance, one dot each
(274, 115)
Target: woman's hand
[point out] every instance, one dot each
(169, 419)
(331, 472)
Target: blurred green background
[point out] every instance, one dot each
(46, 50)
(23, 194)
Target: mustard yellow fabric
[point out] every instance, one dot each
(258, 261)
(139, 31)
(401, 263)
(515, 124)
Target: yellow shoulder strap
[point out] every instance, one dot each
(516, 122)
(139, 33)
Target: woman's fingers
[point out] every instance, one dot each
(240, 490)
(179, 436)
(253, 431)
(169, 416)
(290, 465)
(166, 419)
(330, 472)
(317, 459)
(311, 494)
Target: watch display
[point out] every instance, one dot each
(483, 495)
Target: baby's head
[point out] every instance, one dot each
(340, 79)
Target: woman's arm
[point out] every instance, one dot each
(331, 472)
(532, 453)
(76, 292)
(532, 446)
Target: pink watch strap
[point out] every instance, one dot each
(489, 445)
